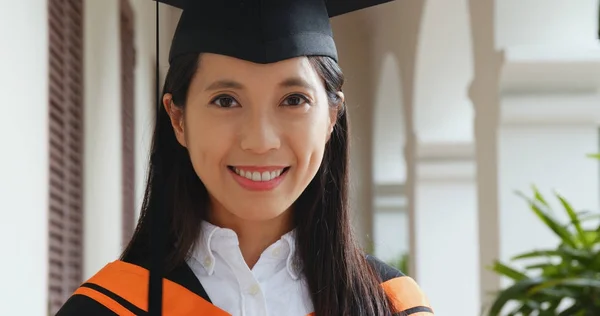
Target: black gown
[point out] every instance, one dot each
(120, 288)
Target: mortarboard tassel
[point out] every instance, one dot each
(158, 215)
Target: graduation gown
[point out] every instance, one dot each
(121, 288)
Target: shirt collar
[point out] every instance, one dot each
(213, 237)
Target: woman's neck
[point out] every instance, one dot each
(254, 236)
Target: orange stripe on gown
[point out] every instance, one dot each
(131, 283)
(404, 293)
(104, 300)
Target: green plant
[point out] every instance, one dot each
(571, 270)
(400, 263)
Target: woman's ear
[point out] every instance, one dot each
(334, 113)
(177, 118)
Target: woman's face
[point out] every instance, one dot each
(255, 133)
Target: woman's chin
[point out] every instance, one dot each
(259, 212)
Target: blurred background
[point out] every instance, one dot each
(455, 105)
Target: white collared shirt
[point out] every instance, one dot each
(275, 285)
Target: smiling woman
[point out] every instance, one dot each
(267, 125)
(250, 164)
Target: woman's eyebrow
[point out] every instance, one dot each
(296, 82)
(225, 84)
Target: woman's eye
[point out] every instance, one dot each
(224, 101)
(295, 100)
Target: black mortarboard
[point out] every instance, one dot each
(260, 31)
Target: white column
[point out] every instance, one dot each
(103, 167)
(446, 226)
(445, 197)
(24, 162)
(484, 95)
(145, 91)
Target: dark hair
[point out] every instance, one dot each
(340, 280)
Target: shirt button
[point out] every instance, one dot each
(277, 252)
(207, 262)
(254, 289)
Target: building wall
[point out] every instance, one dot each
(354, 59)
(555, 26)
(24, 160)
(549, 115)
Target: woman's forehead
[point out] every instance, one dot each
(220, 67)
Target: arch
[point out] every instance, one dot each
(444, 70)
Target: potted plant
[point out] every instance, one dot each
(561, 281)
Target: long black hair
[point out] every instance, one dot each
(340, 280)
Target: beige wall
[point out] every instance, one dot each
(355, 59)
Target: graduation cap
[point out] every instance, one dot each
(260, 31)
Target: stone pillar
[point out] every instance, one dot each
(102, 149)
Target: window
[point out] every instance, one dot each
(65, 150)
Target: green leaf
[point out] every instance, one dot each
(594, 236)
(508, 271)
(517, 291)
(574, 220)
(569, 253)
(539, 197)
(570, 282)
(538, 254)
(586, 217)
(558, 229)
(538, 266)
(524, 309)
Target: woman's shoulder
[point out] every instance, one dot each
(385, 271)
(119, 288)
(402, 290)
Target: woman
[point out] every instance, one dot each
(249, 169)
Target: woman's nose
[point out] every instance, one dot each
(260, 133)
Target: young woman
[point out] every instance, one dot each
(249, 170)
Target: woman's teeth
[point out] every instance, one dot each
(259, 176)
